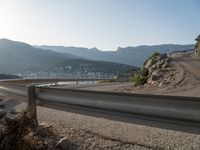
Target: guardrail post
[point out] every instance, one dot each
(31, 107)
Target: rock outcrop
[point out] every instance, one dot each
(197, 46)
(160, 71)
(18, 131)
(157, 71)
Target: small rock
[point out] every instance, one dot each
(161, 83)
(64, 143)
(43, 132)
(155, 76)
(13, 116)
(2, 106)
(2, 113)
(2, 98)
(166, 65)
(48, 141)
(32, 142)
(2, 127)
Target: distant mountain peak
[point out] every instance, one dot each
(134, 56)
(95, 49)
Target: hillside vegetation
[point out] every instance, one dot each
(156, 71)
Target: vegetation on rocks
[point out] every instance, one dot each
(16, 126)
(151, 57)
(155, 71)
(21, 132)
(197, 46)
(140, 77)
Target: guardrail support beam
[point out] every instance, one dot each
(32, 106)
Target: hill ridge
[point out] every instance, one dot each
(134, 56)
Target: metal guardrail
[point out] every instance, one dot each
(167, 109)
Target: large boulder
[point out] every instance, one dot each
(64, 143)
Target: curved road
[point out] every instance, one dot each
(189, 84)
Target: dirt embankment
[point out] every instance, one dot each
(186, 80)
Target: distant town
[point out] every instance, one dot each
(62, 75)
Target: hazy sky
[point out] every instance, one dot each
(105, 24)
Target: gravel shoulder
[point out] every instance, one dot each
(114, 134)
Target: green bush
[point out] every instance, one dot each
(197, 45)
(139, 80)
(144, 72)
(141, 77)
(150, 57)
(15, 128)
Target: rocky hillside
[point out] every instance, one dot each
(157, 71)
(197, 46)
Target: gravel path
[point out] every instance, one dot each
(86, 140)
(148, 137)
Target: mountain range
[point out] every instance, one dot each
(19, 57)
(134, 56)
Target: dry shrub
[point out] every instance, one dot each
(16, 126)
